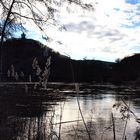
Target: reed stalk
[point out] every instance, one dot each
(113, 122)
(77, 91)
(124, 136)
(61, 113)
(79, 107)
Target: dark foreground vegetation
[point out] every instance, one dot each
(20, 53)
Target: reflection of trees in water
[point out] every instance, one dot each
(25, 128)
(29, 119)
(26, 118)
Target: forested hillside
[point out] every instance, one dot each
(20, 53)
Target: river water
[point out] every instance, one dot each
(97, 112)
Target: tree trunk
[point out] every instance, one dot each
(2, 38)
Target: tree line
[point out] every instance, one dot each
(20, 53)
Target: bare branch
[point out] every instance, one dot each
(35, 8)
(27, 17)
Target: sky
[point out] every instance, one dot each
(109, 32)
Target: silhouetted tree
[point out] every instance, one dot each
(41, 12)
(127, 69)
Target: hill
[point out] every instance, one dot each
(128, 69)
(20, 53)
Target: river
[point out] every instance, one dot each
(97, 112)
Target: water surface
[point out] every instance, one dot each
(77, 116)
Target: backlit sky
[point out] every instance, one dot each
(111, 31)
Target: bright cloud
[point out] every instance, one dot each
(111, 31)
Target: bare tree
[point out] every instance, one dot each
(41, 12)
(14, 13)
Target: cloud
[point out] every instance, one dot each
(79, 27)
(112, 31)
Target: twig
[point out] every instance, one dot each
(67, 122)
(113, 122)
(129, 109)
